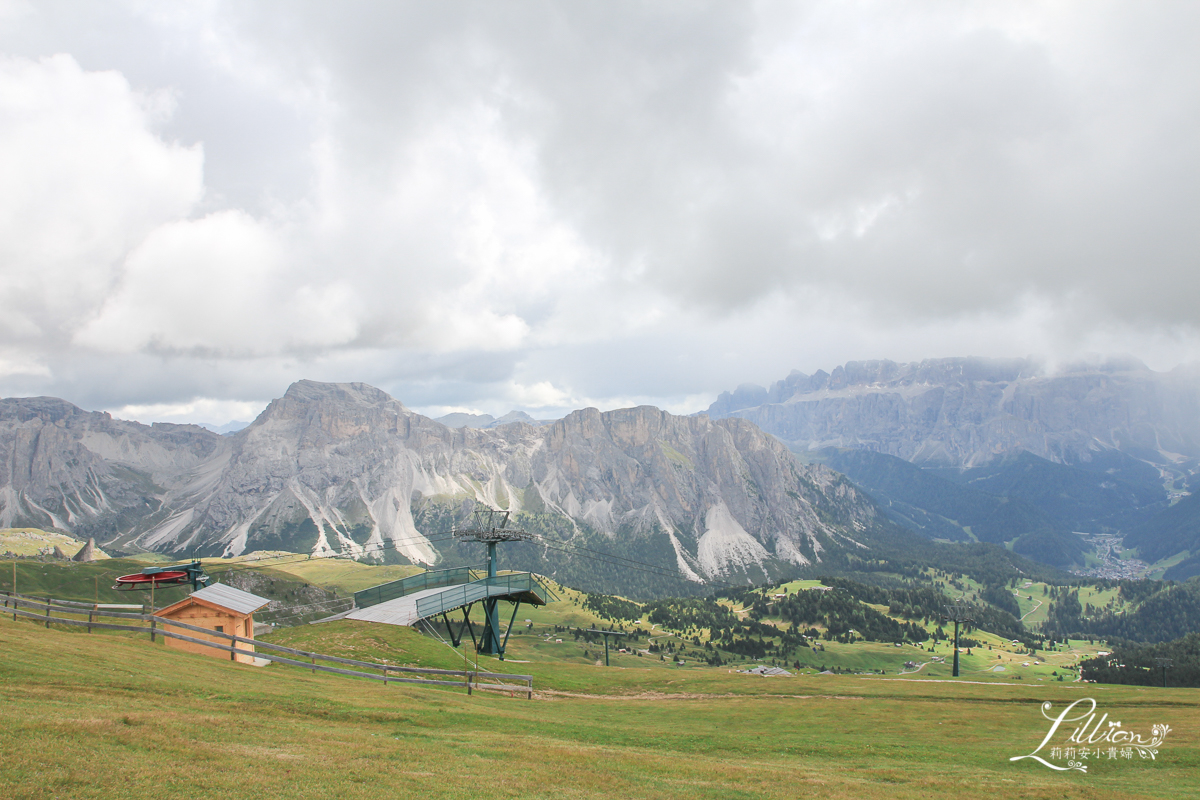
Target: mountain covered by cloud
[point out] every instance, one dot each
(964, 412)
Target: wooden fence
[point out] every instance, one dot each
(16, 604)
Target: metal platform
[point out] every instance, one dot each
(423, 603)
(438, 592)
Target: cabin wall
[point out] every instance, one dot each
(210, 618)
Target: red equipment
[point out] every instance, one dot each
(140, 581)
(151, 577)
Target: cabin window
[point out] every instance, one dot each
(220, 629)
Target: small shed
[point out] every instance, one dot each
(219, 608)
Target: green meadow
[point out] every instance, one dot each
(109, 714)
(113, 716)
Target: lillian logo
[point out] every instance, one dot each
(1091, 739)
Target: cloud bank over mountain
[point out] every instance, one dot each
(547, 206)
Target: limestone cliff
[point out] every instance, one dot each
(336, 468)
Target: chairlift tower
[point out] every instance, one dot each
(1163, 663)
(490, 526)
(606, 634)
(958, 611)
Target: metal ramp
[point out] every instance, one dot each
(438, 592)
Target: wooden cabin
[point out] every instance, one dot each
(220, 608)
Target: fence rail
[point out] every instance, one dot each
(160, 626)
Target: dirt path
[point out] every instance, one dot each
(920, 667)
(1030, 611)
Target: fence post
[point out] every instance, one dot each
(468, 674)
(92, 611)
(47, 612)
(314, 661)
(153, 624)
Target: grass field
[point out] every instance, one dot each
(342, 575)
(105, 716)
(34, 541)
(66, 580)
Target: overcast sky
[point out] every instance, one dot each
(543, 206)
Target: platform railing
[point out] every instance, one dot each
(513, 583)
(430, 579)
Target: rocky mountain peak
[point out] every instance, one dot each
(345, 469)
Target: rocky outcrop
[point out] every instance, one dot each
(87, 553)
(67, 469)
(965, 411)
(336, 468)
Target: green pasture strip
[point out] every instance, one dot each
(340, 574)
(89, 582)
(562, 666)
(103, 718)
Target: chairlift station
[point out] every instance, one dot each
(438, 593)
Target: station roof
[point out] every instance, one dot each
(228, 597)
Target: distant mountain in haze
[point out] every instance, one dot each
(1000, 450)
(964, 412)
(461, 419)
(228, 427)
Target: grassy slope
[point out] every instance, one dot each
(65, 580)
(341, 575)
(106, 716)
(31, 541)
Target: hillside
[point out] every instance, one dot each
(1070, 498)
(939, 508)
(1173, 530)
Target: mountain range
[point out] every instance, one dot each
(830, 470)
(347, 469)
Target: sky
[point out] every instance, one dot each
(550, 205)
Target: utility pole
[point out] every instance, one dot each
(958, 611)
(1163, 663)
(606, 634)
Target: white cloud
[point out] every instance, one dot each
(219, 286)
(84, 177)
